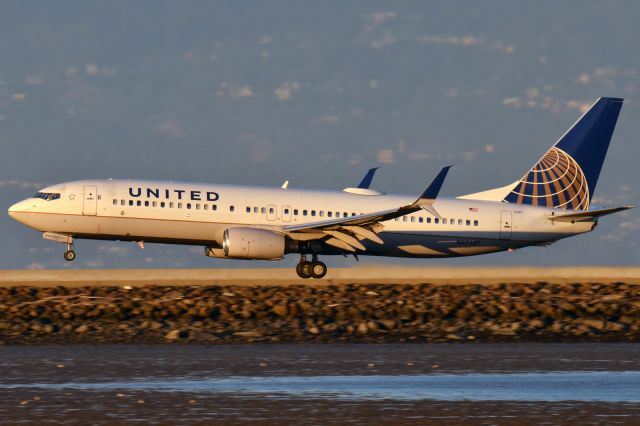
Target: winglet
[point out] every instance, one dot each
(432, 191)
(285, 185)
(365, 183)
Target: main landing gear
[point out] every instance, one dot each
(313, 269)
(69, 255)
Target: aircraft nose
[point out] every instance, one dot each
(17, 211)
(12, 210)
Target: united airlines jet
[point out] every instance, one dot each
(551, 201)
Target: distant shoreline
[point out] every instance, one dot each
(338, 276)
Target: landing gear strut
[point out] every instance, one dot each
(313, 269)
(69, 255)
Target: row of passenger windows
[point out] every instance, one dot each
(169, 204)
(466, 222)
(285, 211)
(272, 210)
(296, 212)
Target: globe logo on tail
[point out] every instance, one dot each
(557, 180)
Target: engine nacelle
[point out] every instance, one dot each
(252, 243)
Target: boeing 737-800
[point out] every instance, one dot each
(551, 201)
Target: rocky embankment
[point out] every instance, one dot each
(332, 313)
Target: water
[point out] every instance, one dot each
(605, 386)
(329, 384)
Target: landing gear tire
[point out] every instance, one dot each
(304, 270)
(69, 255)
(318, 269)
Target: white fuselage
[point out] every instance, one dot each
(198, 214)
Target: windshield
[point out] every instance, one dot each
(48, 196)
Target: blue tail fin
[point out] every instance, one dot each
(567, 174)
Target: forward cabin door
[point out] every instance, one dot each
(90, 204)
(506, 224)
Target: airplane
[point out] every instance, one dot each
(550, 202)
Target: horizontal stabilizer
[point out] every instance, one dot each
(588, 215)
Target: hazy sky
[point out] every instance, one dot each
(315, 93)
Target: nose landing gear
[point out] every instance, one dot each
(313, 269)
(67, 239)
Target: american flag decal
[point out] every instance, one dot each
(473, 209)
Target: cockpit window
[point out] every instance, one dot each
(48, 196)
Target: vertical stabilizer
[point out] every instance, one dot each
(567, 174)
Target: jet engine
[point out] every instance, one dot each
(252, 243)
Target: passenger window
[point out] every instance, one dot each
(146, 204)
(329, 214)
(115, 202)
(214, 207)
(179, 205)
(206, 206)
(321, 213)
(413, 218)
(162, 204)
(313, 212)
(345, 214)
(459, 221)
(286, 211)
(155, 204)
(468, 222)
(444, 221)
(271, 210)
(189, 206)
(232, 208)
(420, 220)
(452, 221)
(122, 202)
(353, 214)
(263, 210)
(295, 212)
(197, 206)
(130, 202)
(304, 212)
(139, 203)
(337, 214)
(475, 223)
(171, 205)
(248, 209)
(404, 218)
(256, 210)
(428, 220)
(436, 220)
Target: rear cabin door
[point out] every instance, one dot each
(506, 224)
(90, 204)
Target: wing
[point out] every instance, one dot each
(346, 232)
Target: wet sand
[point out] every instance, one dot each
(54, 365)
